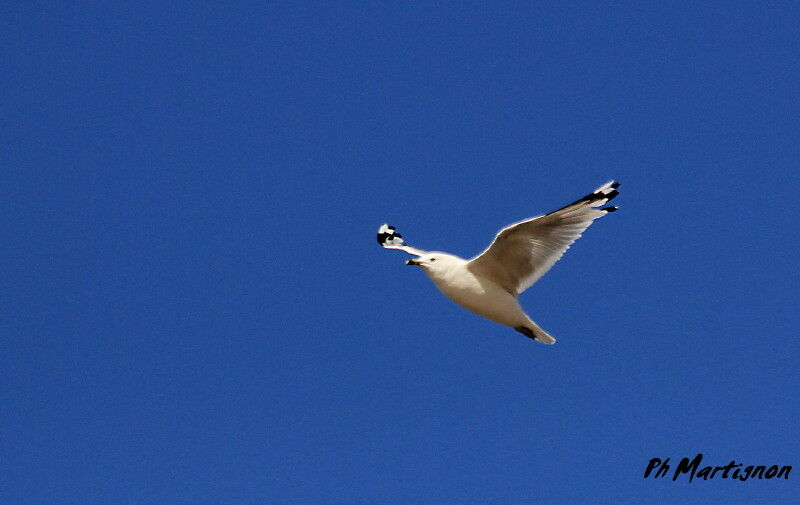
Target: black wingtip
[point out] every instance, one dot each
(615, 185)
(610, 209)
(387, 233)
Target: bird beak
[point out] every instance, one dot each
(412, 262)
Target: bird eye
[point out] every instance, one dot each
(433, 259)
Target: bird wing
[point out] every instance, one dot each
(523, 252)
(390, 239)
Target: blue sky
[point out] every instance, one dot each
(194, 308)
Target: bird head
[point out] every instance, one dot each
(433, 262)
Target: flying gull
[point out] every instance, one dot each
(488, 284)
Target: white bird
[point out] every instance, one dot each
(488, 284)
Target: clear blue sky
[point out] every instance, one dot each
(195, 311)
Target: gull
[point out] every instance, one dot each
(489, 284)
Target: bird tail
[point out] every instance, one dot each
(532, 330)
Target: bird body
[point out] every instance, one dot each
(482, 296)
(488, 285)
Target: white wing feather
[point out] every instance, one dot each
(523, 252)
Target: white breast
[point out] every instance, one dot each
(479, 295)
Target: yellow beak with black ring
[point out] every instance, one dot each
(413, 262)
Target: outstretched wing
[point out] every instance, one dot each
(390, 239)
(523, 252)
